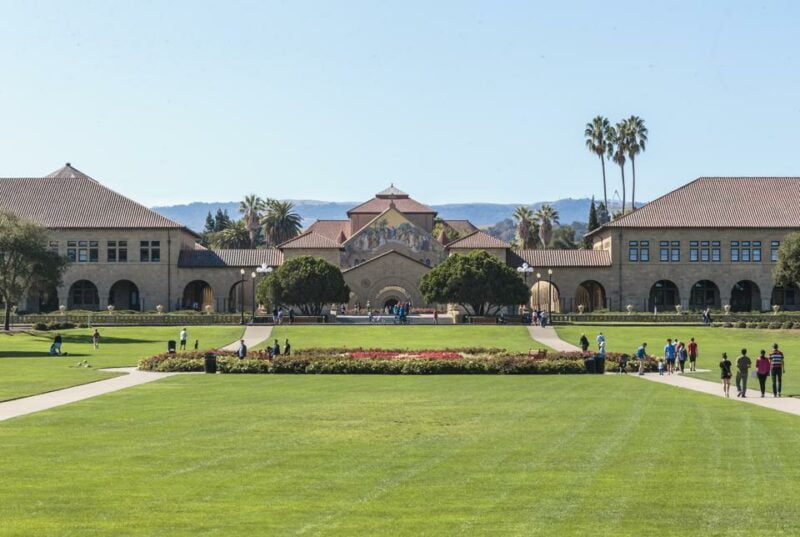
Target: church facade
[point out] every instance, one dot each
(711, 243)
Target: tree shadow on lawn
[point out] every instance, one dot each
(38, 354)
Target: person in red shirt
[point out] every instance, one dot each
(762, 370)
(692, 348)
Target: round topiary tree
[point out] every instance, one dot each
(304, 281)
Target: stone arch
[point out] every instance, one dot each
(591, 294)
(543, 292)
(745, 296)
(197, 295)
(787, 297)
(124, 295)
(664, 295)
(83, 295)
(392, 294)
(704, 294)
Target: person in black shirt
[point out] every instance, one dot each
(584, 343)
(743, 369)
(276, 348)
(287, 349)
(725, 374)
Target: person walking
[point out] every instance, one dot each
(183, 337)
(287, 349)
(660, 367)
(96, 339)
(683, 355)
(600, 338)
(641, 355)
(291, 315)
(669, 356)
(584, 343)
(435, 317)
(242, 352)
(743, 364)
(762, 370)
(692, 348)
(276, 348)
(725, 374)
(778, 368)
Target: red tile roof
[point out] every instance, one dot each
(722, 202)
(478, 239)
(69, 199)
(561, 258)
(229, 258)
(310, 239)
(331, 228)
(462, 226)
(378, 205)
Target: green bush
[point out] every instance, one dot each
(774, 326)
(788, 324)
(40, 326)
(741, 324)
(762, 324)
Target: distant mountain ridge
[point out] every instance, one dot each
(193, 215)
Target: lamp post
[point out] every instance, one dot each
(253, 287)
(525, 269)
(241, 297)
(550, 293)
(263, 269)
(538, 280)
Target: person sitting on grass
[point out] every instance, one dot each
(55, 348)
(725, 374)
(623, 364)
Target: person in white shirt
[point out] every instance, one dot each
(184, 336)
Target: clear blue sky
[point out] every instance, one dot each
(170, 102)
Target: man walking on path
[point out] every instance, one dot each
(641, 355)
(778, 367)
(184, 336)
(600, 339)
(584, 343)
(242, 352)
(683, 354)
(669, 356)
(692, 347)
(743, 368)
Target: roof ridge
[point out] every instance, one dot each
(387, 252)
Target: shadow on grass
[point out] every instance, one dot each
(37, 354)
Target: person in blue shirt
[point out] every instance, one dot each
(669, 356)
(641, 355)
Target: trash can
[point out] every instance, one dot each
(590, 365)
(211, 363)
(171, 346)
(600, 364)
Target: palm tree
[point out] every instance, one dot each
(636, 140)
(617, 148)
(524, 217)
(597, 135)
(251, 208)
(280, 221)
(234, 236)
(546, 216)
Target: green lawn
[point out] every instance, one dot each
(513, 338)
(27, 369)
(712, 342)
(370, 455)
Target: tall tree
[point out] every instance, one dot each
(564, 238)
(209, 228)
(27, 265)
(636, 134)
(280, 221)
(602, 213)
(525, 237)
(594, 223)
(306, 282)
(251, 208)
(787, 270)
(546, 216)
(236, 235)
(597, 135)
(617, 149)
(221, 220)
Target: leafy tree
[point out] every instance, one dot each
(597, 134)
(27, 265)
(602, 214)
(280, 221)
(546, 216)
(304, 281)
(236, 235)
(617, 149)
(221, 220)
(636, 134)
(594, 223)
(787, 270)
(251, 208)
(564, 238)
(209, 228)
(478, 282)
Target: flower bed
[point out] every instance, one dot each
(390, 362)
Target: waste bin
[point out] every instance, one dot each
(590, 365)
(211, 363)
(600, 364)
(171, 346)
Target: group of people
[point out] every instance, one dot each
(273, 350)
(773, 365)
(707, 316)
(278, 313)
(540, 318)
(58, 341)
(676, 354)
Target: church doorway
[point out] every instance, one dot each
(390, 303)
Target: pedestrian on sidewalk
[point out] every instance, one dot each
(96, 339)
(660, 367)
(584, 343)
(641, 355)
(242, 352)
(762, 370)
(669, 356)
(623, 364)
(692, 347)
(435, 316)
(778, 365)
(725, 374)
(743, 364)
(683, 354)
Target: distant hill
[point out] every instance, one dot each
(193, 215)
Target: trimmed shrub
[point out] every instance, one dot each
(741, 324)
(788, 324)
(762, 324)
(774, 326)
(40, 326)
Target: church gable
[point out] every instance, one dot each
(391, 230)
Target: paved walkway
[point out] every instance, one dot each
(44, 401)
(253, 335)
(548, 336)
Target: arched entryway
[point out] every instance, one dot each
(48, 300)
(83, 295)
(705, 294)
(542, 294)
(745, 296)
(197, 295)
(392, 295)
(124, 295)
(664, 295)
(787, 297)
(591, 295)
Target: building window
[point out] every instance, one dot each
(694, 251)
(117, 251)
(150, 251)
(716, 251)
(83, 251)
(705, 251)
(663, 251)
(633, 251)
(773, 251)
(745, 251)
(734, 251)
(675, 251)
(644, 251)
(756, 252)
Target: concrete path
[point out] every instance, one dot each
(44, 401)
(548, 336)
(790, 405)
(253, 335)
